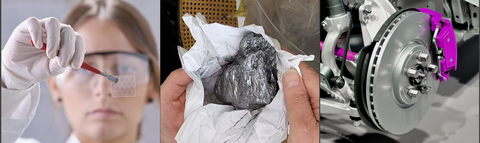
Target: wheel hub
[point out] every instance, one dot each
(397, 90)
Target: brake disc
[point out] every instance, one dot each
(396, 90)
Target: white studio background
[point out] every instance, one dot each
(51, 127)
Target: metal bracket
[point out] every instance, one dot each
(335, 27)
(371, 22)
(438, 51)
(459, 11)
(444, 42)
(326, 74)
(332, 107)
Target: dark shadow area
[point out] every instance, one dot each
(323, 94)
(414, 136)
(170, 38)
(345, 135)
(467, 67)
(323, 15)
(467, 60)
(367, 138)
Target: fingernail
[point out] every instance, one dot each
(291, 78)
(39, 45)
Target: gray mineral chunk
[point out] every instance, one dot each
(249, 80)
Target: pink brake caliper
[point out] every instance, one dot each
(444, 42)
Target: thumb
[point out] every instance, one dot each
(296, 98)
(175, 85)
(55, 68)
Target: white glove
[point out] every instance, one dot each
(24, 65)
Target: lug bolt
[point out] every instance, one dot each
(425, 89)
(422, 75)
(431, 68)
(422, 57)
(412, 72)
(413, 93)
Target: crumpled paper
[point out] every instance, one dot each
(207, 120)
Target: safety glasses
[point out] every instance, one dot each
(113, 63)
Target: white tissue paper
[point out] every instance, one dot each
(221, 123)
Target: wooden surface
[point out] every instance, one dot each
(215, 11)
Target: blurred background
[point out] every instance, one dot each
(50, 126)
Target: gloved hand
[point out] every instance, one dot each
(24, 65)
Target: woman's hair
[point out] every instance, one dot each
(130, 22)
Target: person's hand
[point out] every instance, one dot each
(302, 98)
(23, 64)
(172, 104)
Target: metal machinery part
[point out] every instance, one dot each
(399, 73)
(326, 74)
(407, 54)
(474, 2)
(460, 12)
(464, 13)
(335, 26)
(332, 107)
(326, 84)
(335, 8)
(372, 14)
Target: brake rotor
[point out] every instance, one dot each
(387, 94)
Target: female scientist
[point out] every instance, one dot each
(109, 35)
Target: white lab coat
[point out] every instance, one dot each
(18, 110)
(71, 139)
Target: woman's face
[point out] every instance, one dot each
(91, 110)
